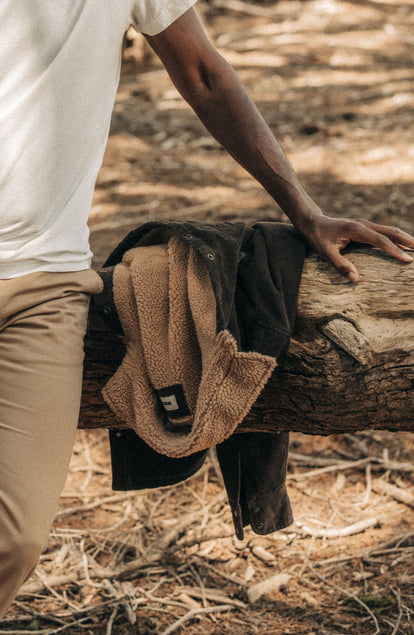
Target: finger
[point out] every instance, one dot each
(344, 266)
(396, 235)
(360, 232)
(404, 247)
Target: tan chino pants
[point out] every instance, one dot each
(42, 327)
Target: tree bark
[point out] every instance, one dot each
(349, 365)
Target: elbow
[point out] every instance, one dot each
(198, 90)
(203, 89)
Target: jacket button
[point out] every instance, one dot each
(189, 236)
(210, 256)
(256, 510)
(260, 525)
(107, 310)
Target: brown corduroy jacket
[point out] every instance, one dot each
(255, 275)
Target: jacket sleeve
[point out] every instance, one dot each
(254, 465)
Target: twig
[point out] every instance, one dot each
(111, 621)
(388, 544)
(376, 464)
(194, 613)
(397, 594)
(69, 511)
(343, 465)
(335, 560)
(63, 628)
(213, 595)
(315, 461)
(400, 495)
(90, 610)
(33, 613)
(154, 598)
(368, 486)
(350, 595)
(334, 532)
(195, 541)
(201, 585)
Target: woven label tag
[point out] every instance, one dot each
(176, 408)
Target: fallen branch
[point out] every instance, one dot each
(349, 366)
(339, 532)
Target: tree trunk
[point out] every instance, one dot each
(349, 366)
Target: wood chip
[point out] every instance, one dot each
(268, 588)
(263, 554)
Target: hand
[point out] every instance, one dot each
(329, 236)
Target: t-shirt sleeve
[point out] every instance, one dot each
(153, 16)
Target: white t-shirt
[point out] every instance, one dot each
(59, 73)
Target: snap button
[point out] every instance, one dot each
(210, 256)
(260, 525)
(189, 235)
(256, 510)
(107, 310)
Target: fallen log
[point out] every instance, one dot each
(349, 365)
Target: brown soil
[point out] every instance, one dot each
(334, 80)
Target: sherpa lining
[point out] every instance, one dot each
(166, 304)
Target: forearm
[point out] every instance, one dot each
(229, 114)
(214, 91)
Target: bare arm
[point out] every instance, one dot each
(212, 88)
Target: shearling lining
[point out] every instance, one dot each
(182, 386)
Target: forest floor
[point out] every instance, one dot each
(334, 79)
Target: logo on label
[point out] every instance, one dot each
(174, 401)
(169, 402)
(177, 413)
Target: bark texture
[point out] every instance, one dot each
(349, 365)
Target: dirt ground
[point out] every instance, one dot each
(334, 80)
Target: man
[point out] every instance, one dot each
(59, 71)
